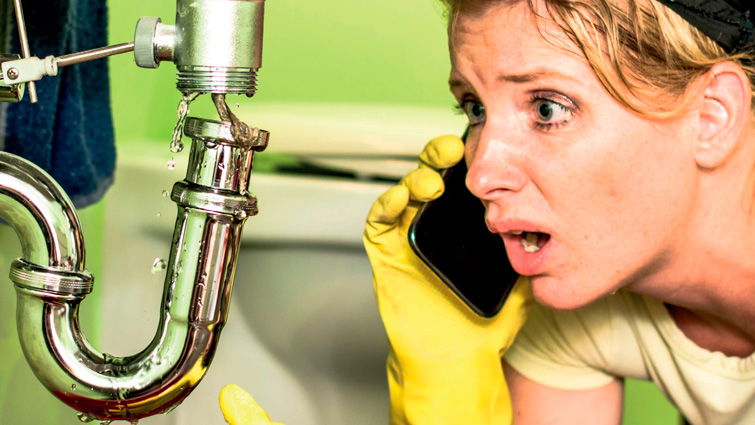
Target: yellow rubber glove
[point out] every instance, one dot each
(444, 366)
(239, 408)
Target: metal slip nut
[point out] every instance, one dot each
(13, 73)
(203, 198)
(50, 282)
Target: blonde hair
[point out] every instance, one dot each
(643, 53)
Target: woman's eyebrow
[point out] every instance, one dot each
(524, 77)
(535, 75)
(456, 82)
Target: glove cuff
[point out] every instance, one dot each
(463, 391)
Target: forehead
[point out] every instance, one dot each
(510, 38)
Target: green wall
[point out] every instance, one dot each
(391, 51)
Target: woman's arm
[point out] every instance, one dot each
(537, 404)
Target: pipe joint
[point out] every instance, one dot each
(201, 198)
(50, 282)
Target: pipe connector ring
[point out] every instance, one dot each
(193, 196)
(51, 282)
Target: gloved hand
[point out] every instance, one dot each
(444, 366)
(239, 408)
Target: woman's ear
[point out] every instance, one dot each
(724, 113)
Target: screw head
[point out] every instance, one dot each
(13, 73)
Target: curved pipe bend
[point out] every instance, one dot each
(51, 282)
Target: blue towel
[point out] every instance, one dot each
(69, 132)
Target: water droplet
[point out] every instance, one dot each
(86, 417)
(237, 105)
(106, 422)
(239, 214)
(157, 360)
(159, 265)
(171, 164)
(165, 193)
(158, 214)
(134, 421)
(73, 387)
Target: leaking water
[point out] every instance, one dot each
(156, 359)
(159, 265)
(239, 214)
(171, 408)
(183, 111)
(171, 165)
(165, 193)
(86, 417)
(242, 134)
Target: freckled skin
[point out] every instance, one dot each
(616, 191)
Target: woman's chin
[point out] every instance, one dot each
(562, 295)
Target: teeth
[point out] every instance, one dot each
(516, 232)
(529, 242)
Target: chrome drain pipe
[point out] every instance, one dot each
(51, 281)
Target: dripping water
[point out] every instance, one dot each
(183, 111)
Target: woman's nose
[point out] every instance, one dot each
(493, 165)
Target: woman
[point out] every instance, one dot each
(612, 143)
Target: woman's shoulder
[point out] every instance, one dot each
(593, 343)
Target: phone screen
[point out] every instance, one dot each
(450, 236)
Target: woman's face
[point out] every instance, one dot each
(587, 196)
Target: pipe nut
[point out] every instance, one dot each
(194, 196)
(50, 282)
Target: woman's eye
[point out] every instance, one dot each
(475, 112)
(548, 112)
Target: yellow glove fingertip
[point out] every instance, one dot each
(442, 152)
(239, 408)
(424, 184)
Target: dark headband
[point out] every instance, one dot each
(728, 22)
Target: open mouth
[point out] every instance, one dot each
(532, 241)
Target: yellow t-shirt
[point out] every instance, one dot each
(628, 335)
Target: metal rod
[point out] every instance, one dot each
(98, 53)
(24, 45)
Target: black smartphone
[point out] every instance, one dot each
(450, 236)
